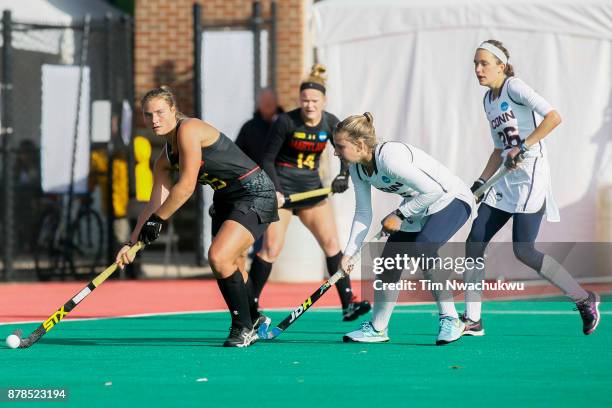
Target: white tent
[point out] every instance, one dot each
(409, 62)
(52, 12)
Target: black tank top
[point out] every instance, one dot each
(224, 167)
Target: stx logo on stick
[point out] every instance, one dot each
(297, 312)
(53, 320)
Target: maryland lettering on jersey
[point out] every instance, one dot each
(308, 142)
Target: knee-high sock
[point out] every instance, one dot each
(473, 298)
(385, 300)
(384, 303)
(556, 274)
(253, 305)
(444, 298)
(234, 292)
(258, 275)
(343, 285)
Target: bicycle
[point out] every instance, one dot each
(75, 247)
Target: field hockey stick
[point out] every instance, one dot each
(63, 311)
(307, 194)
(501, 172)
(264, 334)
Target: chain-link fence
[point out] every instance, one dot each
(102, 48)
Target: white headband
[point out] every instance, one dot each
(495, 51)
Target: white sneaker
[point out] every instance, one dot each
(366, 334)
(451, 329)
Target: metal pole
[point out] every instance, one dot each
(109, 148)
(256, 25)
(7, 131)
(75, 140)
(272, 48)
(128, 94)
(198, 110)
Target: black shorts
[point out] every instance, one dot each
(248, 218)
(294, 180)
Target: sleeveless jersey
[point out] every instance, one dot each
(512, 117)
(224, 167)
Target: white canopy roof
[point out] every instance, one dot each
(352, 19)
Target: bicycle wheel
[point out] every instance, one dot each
(87, 241)
(46, 248)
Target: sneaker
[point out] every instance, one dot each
(355, 309)
(262, 322)
(240, 337)
(366, 334)
(472, 328)
(589, 311)
(451, 329)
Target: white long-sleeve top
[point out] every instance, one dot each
(426, 185)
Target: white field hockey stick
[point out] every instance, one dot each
(501, 172)
(266, 334)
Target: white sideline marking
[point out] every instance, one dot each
(321, 309)
(508, 312)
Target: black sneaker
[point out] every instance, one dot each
(355, 309)
(589, 311)
(472, 328)
(240, 337)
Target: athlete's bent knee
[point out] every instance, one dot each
(527, 254)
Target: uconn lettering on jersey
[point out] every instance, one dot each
(501, 119)
(394, 188)
(509, 135)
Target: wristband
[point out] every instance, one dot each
(399, 214)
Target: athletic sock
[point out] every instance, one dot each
(343, 285)
(384, 303)
(556, 274)
(444, 298)
(234, 292)
(253, 305)
(473, 298)
(258, 275)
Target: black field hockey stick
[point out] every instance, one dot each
(265, 334)
(63, 311)
(293, 198)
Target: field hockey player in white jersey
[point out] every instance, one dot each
(514, 112)
(435, 205)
